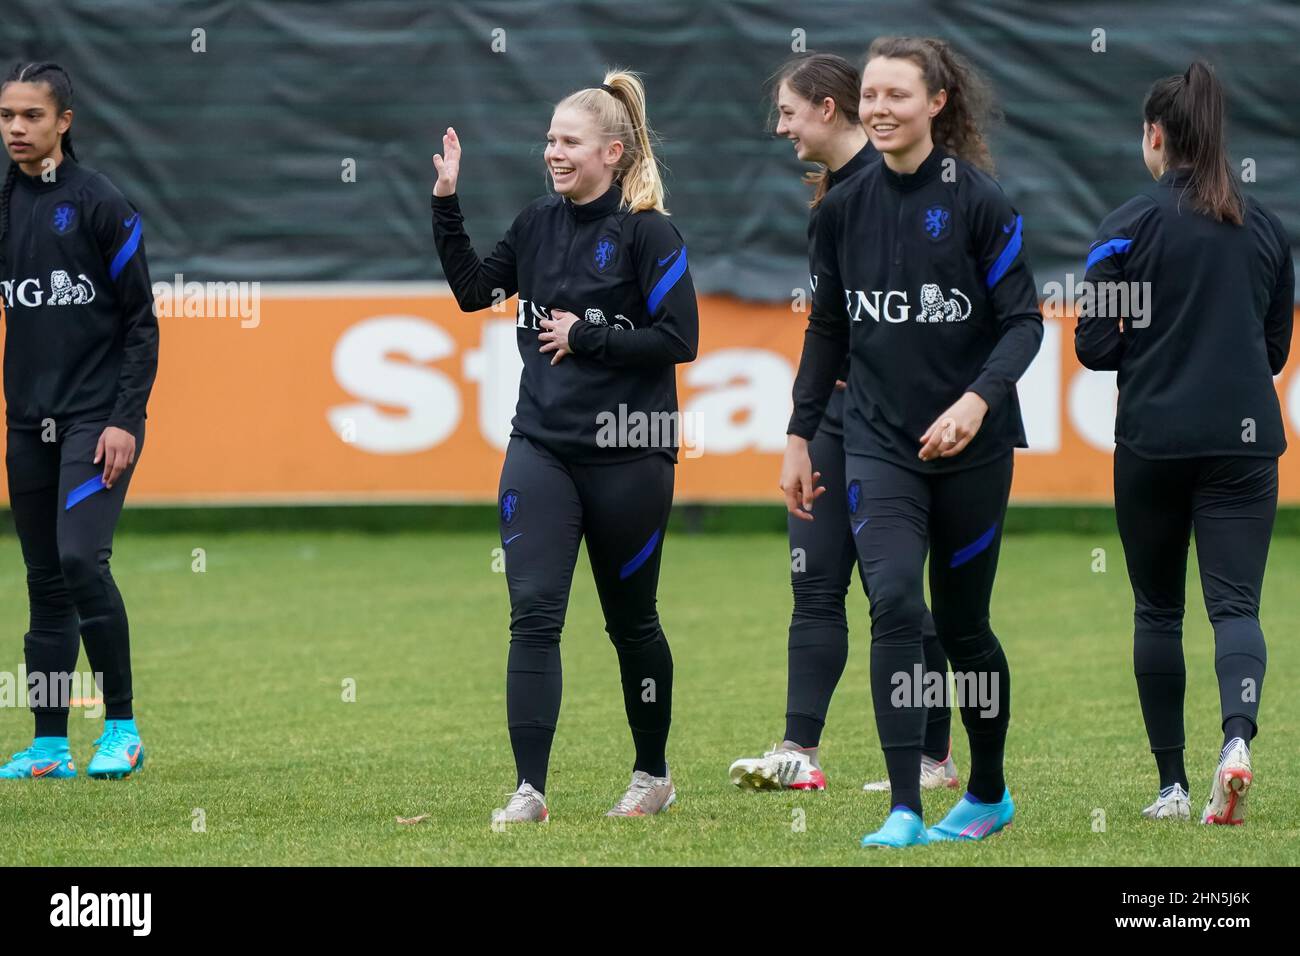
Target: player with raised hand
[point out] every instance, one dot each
(922, 277)
(816, 102)
(606, 312)
(1199, 427)
(81, 353)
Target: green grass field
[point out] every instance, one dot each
(240, 670)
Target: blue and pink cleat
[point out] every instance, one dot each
(972, 820)
(901, 828)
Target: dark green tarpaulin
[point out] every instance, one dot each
(235, 154)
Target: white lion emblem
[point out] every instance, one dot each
(596, 317)
(935, 308)
(64, 292)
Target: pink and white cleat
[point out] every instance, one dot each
(784, 767)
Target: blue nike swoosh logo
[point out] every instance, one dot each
(860, 525)
(131, 222)
(669, 257)
(509, 539)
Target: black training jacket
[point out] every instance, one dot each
(833, 420)
(81, 337)
(625, 274)
(923, 280)
(1196, 371)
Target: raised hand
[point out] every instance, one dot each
(447, 163)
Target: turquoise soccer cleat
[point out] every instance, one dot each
(901, 828)
(47, 758)
(972, 820)
(119, 752)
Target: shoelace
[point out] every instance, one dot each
(636, 792)
(112, 738)
(518, 802)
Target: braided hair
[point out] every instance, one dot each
(60, 84)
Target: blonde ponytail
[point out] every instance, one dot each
(618, 107)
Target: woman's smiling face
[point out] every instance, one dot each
(579, 160)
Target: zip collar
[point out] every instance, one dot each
(63, 173)
(598, 208)
(907, 182)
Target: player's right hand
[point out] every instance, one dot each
(447, 163)
(798, 480)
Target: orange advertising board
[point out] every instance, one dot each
(388, 392)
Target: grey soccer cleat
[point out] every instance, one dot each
(526, 805)
(645, 795)
(935, 775)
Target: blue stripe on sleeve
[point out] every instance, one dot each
(1107, 248)
(127, 251)
(1008, 256)
(665, 284)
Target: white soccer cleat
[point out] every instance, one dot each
(645, 796)
(526, 805)
(779, 769)
(1232, 780)
(1172, 804)
(935, 775)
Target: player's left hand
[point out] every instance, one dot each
(116, 447)
(555, 334)
(953, 430)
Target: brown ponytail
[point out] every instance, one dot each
(815, 76)
(959, 126)
(1190, 109)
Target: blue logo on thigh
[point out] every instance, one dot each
(641, 558)
(509, 506)
(974, 549)
(855, 496)
(84, 491)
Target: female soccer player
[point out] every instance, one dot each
(921, 274)
(1199, 429)
(816, 99)
(81, 352)
(577, 466)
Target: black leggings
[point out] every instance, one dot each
(66, 535)
(1230, 503)
(896, 516)
(547, 507)
(822, 556)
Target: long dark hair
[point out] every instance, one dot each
(60, 84)
(959, 126)
(815, 76)
(1190, 108)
